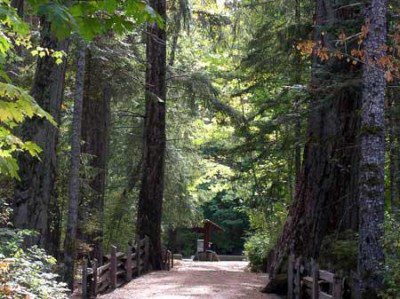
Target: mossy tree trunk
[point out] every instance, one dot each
(372, 155)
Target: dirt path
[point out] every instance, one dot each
(217, 280)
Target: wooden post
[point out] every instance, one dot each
(290, 276)
(94, 280)
(315, 277)
(113, 268)
(128, 263)
(337, 287)
(84, 279)
(138, 253)
(297, 279)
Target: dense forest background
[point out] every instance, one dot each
(278, 120)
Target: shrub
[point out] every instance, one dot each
(29, 274)
(391, 242)
(257, 248)
(339, 252)
(25, 273)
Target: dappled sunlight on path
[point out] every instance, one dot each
(219, 280)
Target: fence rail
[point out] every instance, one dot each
(120, 268)
(321, 284)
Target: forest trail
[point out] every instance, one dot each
(216, 280)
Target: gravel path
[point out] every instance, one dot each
(217, 280)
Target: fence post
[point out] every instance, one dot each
(128, 263)
(113, 267)
(138, 254)
(84, 278)
(93, 287)
(290, 276)
(337, 287)
(315, 278)
(297, 279)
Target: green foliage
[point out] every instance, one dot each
(30, 273)
(186, 242)
(12, 240)
(15, 106)
(391, 242)
(226, 210)
(93, 18)
(25, 273)
(257, 248)
(5, 213)
(15, 103)
(180, 204)
(266, 225)
(339, 252)
(10, 25)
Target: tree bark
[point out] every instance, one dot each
(73, 187)
(152, 184)
(35, 192)
(372, 157)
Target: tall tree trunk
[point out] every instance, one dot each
(326, 196)
(152, 184)
(73, 187)
(95, 130)
(35, 192)
(372, 157)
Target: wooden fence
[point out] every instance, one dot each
(320, 284)
(119, 268)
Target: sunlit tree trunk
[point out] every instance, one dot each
(372, 155)
(152, 184)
